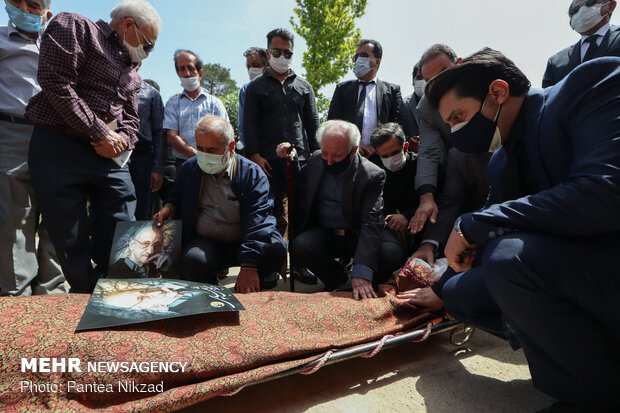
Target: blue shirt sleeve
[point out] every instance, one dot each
(362, 271)
(171, 117)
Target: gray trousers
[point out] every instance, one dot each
(26, 266)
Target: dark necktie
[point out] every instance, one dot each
(592, 49)
(361, 104)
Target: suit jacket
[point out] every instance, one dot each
(559, 172)
(465, 189)
(344, 102)
(362, 203)
(409, 117)
(250, 185)
(434, 144)
(561, 63)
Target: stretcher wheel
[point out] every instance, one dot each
(461, 334)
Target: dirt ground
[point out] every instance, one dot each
(484, 375)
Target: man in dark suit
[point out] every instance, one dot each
(366, 101)
(341, 214)
(589, 18)
(546, 244)
(410, 119)
(465, 189)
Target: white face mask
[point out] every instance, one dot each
(586, 18)
(396, 162)
(136, 53)
(190, 83)
(280, 64)
(418, 87)
(361, 67)
(255, 72)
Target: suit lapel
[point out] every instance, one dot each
(574, 57)
(608, 40)
(379, 92)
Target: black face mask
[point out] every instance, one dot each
(477, 134)
(338, 167)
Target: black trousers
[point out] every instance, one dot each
(562, 299)
(203, 257)
(319, 248)
(66, 171)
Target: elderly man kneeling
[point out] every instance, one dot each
(223, 202)
(342, 214)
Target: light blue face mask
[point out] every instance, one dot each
(212, 164)
(30, 23)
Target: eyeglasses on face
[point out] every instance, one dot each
(148, 47)
(574, 9)
(279, 52)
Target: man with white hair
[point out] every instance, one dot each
(24, 269)
(341, 215)
(222, 200)
(86, 119)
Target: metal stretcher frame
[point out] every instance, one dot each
(436, 326)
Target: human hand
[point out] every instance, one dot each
(367, 151)
(423, 299)
(262, 162)
(247, 281)
(396, 222)
(164, 214)
(459, 252)
(111, 146)
(362, 288)
(156, 181)
(426, 252)
(414, 144)
(282, 150)
(427, 210)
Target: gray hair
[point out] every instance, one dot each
(437, 50)
(47, 4)
(212, 123)
(140, 10)
(347, 129)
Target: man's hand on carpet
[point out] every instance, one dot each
(362, 288)
(247, 281)
(423, 299)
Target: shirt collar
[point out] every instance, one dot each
(601, 32)
(373, 81)
(13, 31)
(202, 92)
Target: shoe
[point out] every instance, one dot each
(305, 276)
(270, 281)
(222, 274)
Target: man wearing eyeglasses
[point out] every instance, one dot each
(86, 120)
(589, 18)
(279, 107)
(367, 101)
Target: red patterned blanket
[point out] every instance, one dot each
(219, 352)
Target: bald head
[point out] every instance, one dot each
(338, 139)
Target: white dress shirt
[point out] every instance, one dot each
(370, 111)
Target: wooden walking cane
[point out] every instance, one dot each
(289, 194)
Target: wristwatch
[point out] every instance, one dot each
(457, 228)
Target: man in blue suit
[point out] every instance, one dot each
(589, 18)
(226, 213)
(541, 257)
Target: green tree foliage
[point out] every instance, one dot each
(216, 80)
(328, 27)
(231, 103)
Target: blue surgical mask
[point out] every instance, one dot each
(212, 164)
(30, 23)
